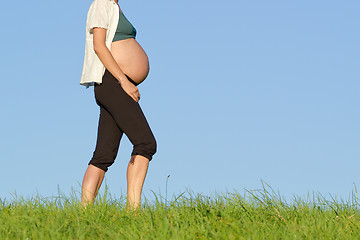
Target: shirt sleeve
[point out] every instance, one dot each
(97, 16)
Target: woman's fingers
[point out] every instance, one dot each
(133, 97)
(131, 90)
(136, 95)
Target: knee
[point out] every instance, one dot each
(102, 159)
(153, 147)
(146, 148)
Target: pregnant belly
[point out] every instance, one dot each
(131, 58)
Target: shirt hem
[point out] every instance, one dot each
(87, 84)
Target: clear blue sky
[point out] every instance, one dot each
(238, 91)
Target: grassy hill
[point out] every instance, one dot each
(259, 214)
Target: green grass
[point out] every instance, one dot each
(257, 214)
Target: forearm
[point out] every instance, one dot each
(110, 64)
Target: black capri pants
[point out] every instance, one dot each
(119, 114)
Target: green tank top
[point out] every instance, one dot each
(124, 29)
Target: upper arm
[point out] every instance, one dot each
(98, 22)
(99, 36)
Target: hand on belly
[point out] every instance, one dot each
(131, 58)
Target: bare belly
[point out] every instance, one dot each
(131, 58)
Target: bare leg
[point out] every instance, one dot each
(91, 183)
(136, 174)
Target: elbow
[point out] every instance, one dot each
(98, 48)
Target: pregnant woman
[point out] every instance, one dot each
(115, 64)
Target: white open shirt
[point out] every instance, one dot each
(104, 14)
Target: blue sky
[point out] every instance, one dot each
(238, 92)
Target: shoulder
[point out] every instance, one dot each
(100, 4)
(99, 8)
